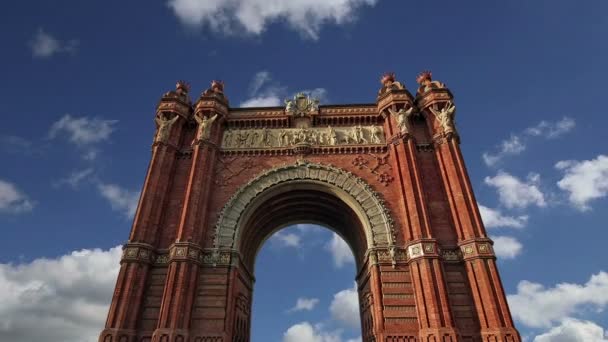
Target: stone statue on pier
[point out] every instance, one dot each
(164, 127)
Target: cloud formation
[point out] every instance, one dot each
(304, 304)
(75, 178)
(536, 306)
(44, 45)
(253, 16)
(574, 330)
(340, 251)
(120, 199)
(58, 300)
(84, 132)
(493, 218)
(306, 332)
(515, 193)
(584, 180)
(344, 307)
(13, 200)
(517, 143)
(264, 91)
(506, 247)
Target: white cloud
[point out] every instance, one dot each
(517, 143)
(253, 16)
(551, 130)
(305, 304)
(44, 45)
(306, 332)
(539, 307)
(75, 178)
(58, 300)
(345, 307)
(511, 146)
(340, 251)
(584, 180)
(573, 330)
(83, 130)
(120, 199)
(12, 200)
(286, 239)
(514, 193)
(506, 247)
(493, 218)
(264, 91)
(262, 101)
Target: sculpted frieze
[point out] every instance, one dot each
(287, 137)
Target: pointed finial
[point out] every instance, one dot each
(182, 86)
(424, 76)
(387, 78)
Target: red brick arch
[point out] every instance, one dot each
(388, 177)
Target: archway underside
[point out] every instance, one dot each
(300, 203)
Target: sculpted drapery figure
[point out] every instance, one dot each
(375, 135)
(204, 126)
(333, 137)
(446, 116)
(164, 127)
(403, 119)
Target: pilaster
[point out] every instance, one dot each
(182, 276)
(434, 314)
(435, 101)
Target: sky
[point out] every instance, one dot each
(80, 81)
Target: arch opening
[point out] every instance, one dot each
(300, 291)
(299, 202)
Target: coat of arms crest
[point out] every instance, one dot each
(302, 105)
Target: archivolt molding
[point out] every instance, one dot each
(378, 223)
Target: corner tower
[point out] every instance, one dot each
(426, 268)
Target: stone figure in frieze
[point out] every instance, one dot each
(164, 127)
(252, 138)
(375, 135)
(228, 138)
(242, 138)
(446, 116)
(332, 136)
(322, 138)
(359, 136)
(283, 138)
(204, 126)
(403, 119)
(266, 137)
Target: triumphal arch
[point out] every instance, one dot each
(388, 177)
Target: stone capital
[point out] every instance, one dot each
(137, 252)
(476, 249)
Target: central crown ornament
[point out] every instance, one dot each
(302, 105)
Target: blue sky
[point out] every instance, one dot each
(80, 81)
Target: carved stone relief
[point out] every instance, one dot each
(287, 137)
